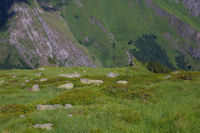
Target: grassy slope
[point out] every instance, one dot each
(126, 22)
(147, 104)
(180, 11)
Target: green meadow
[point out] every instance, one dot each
(149, 103)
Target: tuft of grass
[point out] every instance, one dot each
(78, 96)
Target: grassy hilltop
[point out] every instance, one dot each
(148, 103)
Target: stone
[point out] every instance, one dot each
(122, 82)
(38, 74)
(22, 116)
(84, 71)
(46, 126)
(167, 77)
(52, 107)
(70, 115)
(70, 75)
(48, 107)
(91, 81)
(44, 79)
(27, 81)
(66, 86)
(23, 84)
(35, 88)
(2, 82)
(67, 106)
(13, 76)
(41, 69)
(112, 75)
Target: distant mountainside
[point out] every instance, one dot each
(99, 33)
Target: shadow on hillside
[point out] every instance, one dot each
(5, 6)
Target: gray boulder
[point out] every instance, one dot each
(70, 75)
(66, 86)
(41, 69)
(2, 82)
(52, 107)
(44, 79)
(112, 75)
(91, 81)
(46, 126)
(122, 82)
(35, 88)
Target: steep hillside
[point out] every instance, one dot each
(110, 28)
(104, 33)
(35, 37)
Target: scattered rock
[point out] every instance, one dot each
(68, 106)
(2, 82)
(66, 86)
(48, 107)
(38, 74)
(84, 71)
(23, 84)
(27, 81)
(70, 75)
(70, 115)
(22, 116)
(152, 84)
(167, 77)
(35, 88)
(52, 107)
(122, 82)
(112, 75)
(13, 76)
(44, 79)
(46, 126)
(41, 69)
(75, 72)
(91, 81)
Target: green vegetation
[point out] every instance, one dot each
(182, 64)
(110, 28)
(157, 67)
(93, 26)
(148, 103)
(150, 51)
(180, 11)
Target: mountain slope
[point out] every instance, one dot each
(110, 28)
(40, 38)
(151, 30)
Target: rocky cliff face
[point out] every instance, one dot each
(43, 38)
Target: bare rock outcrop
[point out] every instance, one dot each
(39, 41)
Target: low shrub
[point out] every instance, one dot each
(157, 68)
(15, 109)
(183, 76)
(79, 96)
(128, 92)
